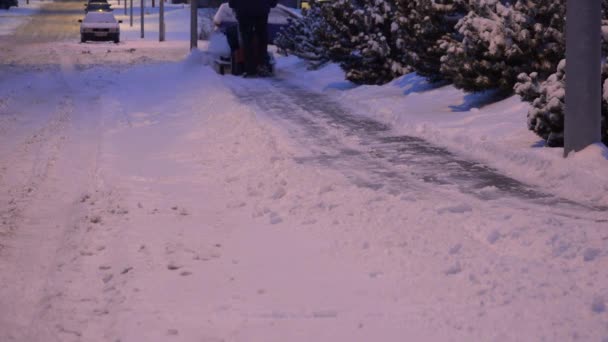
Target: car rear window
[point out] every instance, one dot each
(99, 17)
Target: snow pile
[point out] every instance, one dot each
(218, 44)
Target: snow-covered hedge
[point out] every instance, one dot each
(357, 34)
(303, 37)
(499, 44)
(420, 26)
(547, 98)
(375, 57)
(501, 40)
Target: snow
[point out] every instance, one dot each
(15, 16)
(474, 124)
(144, 197)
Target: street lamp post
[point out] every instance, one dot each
(583, 75)
(161, 23)
(131, 13)
(141, 14)
(193, 24)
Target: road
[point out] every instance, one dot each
(57, 21)
(153, 200)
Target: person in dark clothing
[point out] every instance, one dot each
(252, 16)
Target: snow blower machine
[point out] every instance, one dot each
(224, 44)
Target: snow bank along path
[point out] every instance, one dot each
(145, 198)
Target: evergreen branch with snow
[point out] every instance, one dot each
(501, 40)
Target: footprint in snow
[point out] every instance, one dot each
(590, 254)
(598, 305)
(275, 218)
(493, 237)
(95, 219)
(454, 269)
(279, 193)
(456, 209)
(173, 267)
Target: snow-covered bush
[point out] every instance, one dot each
(547, 98)
(357, 34)
(500, 40)
(375, 59)
(302, 37)
(339, 28)
(421, 24)
(546, 114)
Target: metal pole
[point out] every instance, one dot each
(161, 23)
(193, 24)
(131, 13)
(583, 75)
(125, 2)
(141, 14)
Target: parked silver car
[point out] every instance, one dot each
(100, 26)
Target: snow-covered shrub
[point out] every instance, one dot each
(357, 34)
(375, 59)
(302, 37)
(500, 40)
(420, 25)
(546, 114)
(339, 28)
(547, 98)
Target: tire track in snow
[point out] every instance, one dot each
(30, 170)
(58, 216)
(86, 274)
(39, 150)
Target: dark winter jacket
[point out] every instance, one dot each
(251, 7)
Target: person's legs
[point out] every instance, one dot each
(246, 31)
(260, 24)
